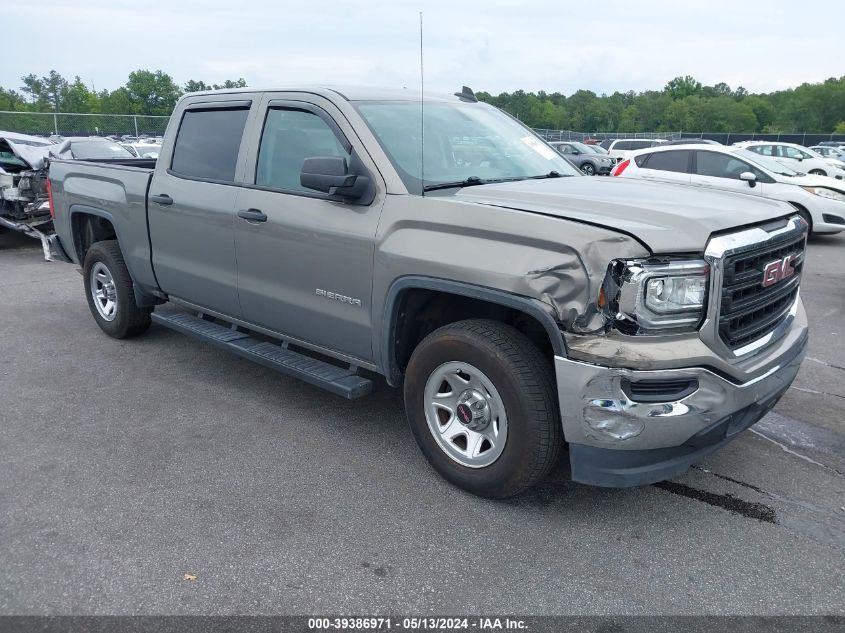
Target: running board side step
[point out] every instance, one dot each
(339, 380)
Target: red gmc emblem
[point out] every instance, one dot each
(778, 270)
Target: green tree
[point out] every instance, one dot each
(231, 83)
(152, 92)
(683, 87)
(47, 92)
(195, 86)
(79, 99)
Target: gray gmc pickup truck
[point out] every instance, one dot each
(522, 307)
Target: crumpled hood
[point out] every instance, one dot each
(668, 218)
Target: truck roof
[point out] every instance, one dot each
(349, 93)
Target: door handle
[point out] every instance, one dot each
(252, 215)
(162, 199)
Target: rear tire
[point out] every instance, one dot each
(108, 288)
(477, 368)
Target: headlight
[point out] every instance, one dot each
(655, 296)
(830, 194)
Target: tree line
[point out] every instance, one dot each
(684, 104)
(145, 92)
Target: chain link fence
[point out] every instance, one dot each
(75, 124)
(571, 135)
(725, 138)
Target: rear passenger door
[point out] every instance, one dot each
(671, 166)
(306, 269)
(191, 205)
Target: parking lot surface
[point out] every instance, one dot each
(125, 465)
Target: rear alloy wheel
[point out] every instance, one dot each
(110, 293)
(588, 170)
(481, 402)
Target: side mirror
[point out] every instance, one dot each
(330, 175)
(800, 157)
(575, 151)
(748, 177)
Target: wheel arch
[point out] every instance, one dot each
(805, 213)
(89, 225)
(453, 300)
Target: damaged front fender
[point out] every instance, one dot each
(557, 261)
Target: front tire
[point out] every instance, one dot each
(108, 288)
(817, 172)
(480, 399)
(588, 169)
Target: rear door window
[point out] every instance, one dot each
(676, 160)
(208, 142)
(641, 144)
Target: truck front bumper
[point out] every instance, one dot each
(621, 435)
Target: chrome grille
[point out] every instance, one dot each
(748, 310)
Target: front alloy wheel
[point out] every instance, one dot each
(588, 170)
(465, 414)
(481, 402)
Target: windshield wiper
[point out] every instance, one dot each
(468, 182)
(551, 174)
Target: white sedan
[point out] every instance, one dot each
(819, 199)
(797, 158)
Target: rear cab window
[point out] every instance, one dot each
(208, 142)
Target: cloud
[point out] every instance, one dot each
(489, 45)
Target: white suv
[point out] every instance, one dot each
(622, 148)
(796, 157)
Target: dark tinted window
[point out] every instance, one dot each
(642, 144)
(207, 143)
(606, 143)
(622, 145)
(289, 137)
(720, 165)
(668, 161)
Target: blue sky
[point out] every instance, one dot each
(489, 45)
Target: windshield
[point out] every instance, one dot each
(598, 149)
(462, 141)
(765, 162)
(98, 149)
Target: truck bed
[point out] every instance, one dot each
(114, 190)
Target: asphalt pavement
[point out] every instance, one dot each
(163, 476)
